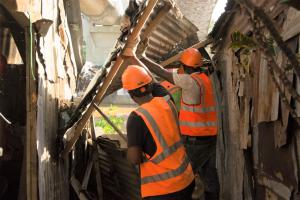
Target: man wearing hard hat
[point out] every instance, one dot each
(154, 141)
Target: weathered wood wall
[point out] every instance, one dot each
(259, 146)
(57, 73)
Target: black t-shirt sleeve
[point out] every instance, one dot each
(139, 135)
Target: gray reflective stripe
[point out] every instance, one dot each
(197, 109)
(167, 175)
(155, 127)
(157, 159)
(174, 111)
(197, 124)
(202, 88)
(167, 97)
(173, 90)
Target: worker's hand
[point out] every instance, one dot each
(140, 52)
(130, 47)
(125, 23)
(127, 52)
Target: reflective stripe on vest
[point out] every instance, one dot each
(173, 108)
(201, 119)
(167, 150)
(197, 124)
(160, 157)
(167, 175)
(154, 126)
(198, 109)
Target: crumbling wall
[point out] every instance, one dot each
(259, 146)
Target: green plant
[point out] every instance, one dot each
(239, 40)
(106, 127)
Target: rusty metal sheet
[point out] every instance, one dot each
(120, 177)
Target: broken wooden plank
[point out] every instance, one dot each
(108, 80)
(177, 56)
(111, 123)
(87, 173)
(96, 161)
(77, 188)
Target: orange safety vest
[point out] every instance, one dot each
(201, 119)
(169, 169)
(170, 87)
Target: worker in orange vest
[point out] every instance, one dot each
(154, 141)
(197, 116)
(174, 91)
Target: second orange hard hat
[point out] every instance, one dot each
(191, 57)
(135, 77)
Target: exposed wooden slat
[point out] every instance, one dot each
(76, 186)
(96, 161)
(87, 173)
(108, 80)
(31, 108)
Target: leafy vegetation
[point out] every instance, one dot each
(106, 127)
(239, 40)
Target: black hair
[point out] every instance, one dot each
(191, 70)
(141, 91)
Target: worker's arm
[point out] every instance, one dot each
(134, 155)
(158, 70)
(136, 138)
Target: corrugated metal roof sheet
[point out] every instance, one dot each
(120, 177)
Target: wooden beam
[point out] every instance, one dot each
(108, 80)
(177, 56)
(96, 161)
(111, 123)
(31, 108)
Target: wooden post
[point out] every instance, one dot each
(31, 108)
(110, 76)
(111, 123)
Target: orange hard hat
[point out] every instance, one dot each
(191, 57)
(135, 77)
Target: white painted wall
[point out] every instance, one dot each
(101, 31)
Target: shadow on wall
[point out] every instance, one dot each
(12, 136)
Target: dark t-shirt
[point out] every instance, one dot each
(138, 133)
